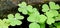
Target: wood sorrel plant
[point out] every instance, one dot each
(12, 20)
(38, 20)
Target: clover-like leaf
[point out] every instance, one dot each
(3, 23)
(50, 21)
(6, 23)
(29, 8)
(53, 5)
(34, 17)
(45, 8)
(23, 10)
(52, 13)
(14, 22)
(42, 19)
(10, 16)
(22, 4)
(18, 16)
(34, 25)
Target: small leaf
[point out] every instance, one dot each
(42, 19)
(10, 16)
(22, 4)
(45, 8)
(18, 16)
(52, 13)
(14, 22)
(53, 6)
(50, 21)
(30, 9)
(23, 10)
(34, 25)
(34, 17)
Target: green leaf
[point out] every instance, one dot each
(10, 16)
(34, 17)
(23, 10)
(34, 25)
(52, 13)
(58, 17)
(53, 5)
(3, 23)
(29, 8)
(14, 22)
(57, 24)
(42, 25)
(22, 4)
(57, 6)
(6, 22)
(3, 26)
(50, 21)
(18, 16)
(45, 8)
(42, 19)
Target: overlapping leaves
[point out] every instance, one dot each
(50, 11)
(14, 20)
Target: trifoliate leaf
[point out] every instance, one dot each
(18, 16)
(10, 16)
(42, 19)
(50, 21)
(34, 25)
(45, 8)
